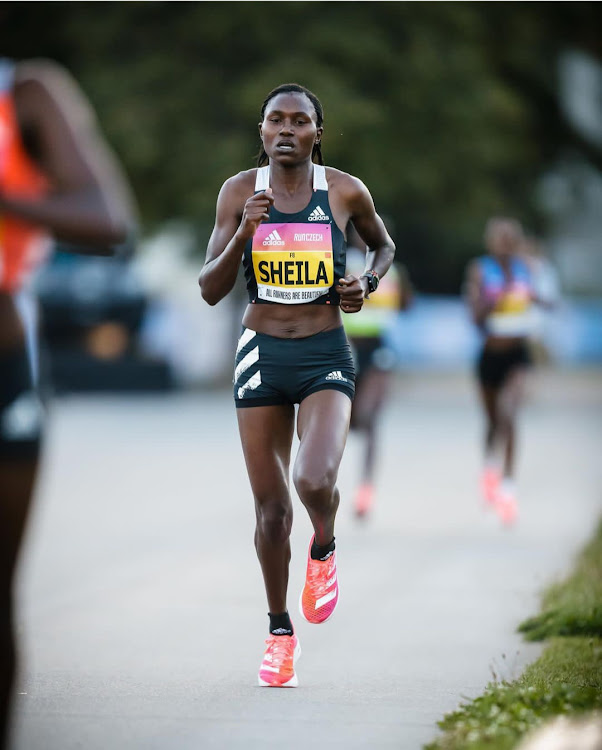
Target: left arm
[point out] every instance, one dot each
(371, 229)
(89, 203)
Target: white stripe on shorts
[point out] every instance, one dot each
(246, 362)
(245, 337)
(250, 385)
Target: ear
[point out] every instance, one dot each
(259, 124)
(319, 134)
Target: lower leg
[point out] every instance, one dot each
(321, 503)
(509, 451)
(322, 425)
(509, 404)
(272, 543)
(370, 454)
(17, 478)
(8, 661)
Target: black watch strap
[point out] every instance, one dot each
(373, 280)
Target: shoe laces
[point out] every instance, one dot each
(319, 573)
(280, 647)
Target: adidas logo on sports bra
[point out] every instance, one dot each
(273, 239)
(318, 215)
(336, 375)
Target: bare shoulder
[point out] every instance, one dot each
(233, 195)
(473, 270)
(43, 71)
(345, 184)
(43, 88)
(239, 187)
(49, 77)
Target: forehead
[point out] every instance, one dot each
(291, 103)
(503, 229)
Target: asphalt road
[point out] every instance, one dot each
(141, 605)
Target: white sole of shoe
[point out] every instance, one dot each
(294, 681)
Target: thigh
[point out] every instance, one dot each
(371, 396)
(489, 398)
(266, 433)
(322, 426)
(513, 391)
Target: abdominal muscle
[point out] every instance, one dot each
(292, 321)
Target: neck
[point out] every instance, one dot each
(290, 178)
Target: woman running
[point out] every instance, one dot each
(285, 221)
(374, 365)
(58, 179)
(500, 293)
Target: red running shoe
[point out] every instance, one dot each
(505, 505)
(364, 499)
(278, 666)
(490, 484)
(321, 591)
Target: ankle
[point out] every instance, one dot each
(322, 552)
(280, 623)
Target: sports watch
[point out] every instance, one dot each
(373, 280)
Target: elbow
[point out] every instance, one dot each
(119, 233)
(113, 239)
(209, 297)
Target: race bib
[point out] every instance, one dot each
(292, 263)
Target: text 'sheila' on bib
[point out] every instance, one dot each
(293, 263)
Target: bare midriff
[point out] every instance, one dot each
(502, 343)
(290, 322)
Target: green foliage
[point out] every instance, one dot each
(443, 109)
(573, 607)
(567, 679)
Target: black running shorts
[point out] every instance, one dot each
(270, 371)
(494, 367)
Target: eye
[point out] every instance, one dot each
(274, 119)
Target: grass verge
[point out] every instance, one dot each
(566, 679)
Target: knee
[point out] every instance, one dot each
(274, 521)
(315, 489)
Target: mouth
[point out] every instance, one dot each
(285, 145)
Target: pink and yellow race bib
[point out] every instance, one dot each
(292, 263)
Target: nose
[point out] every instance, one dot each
(286, 126)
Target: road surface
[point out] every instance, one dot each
(141, 606)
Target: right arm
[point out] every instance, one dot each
(236, 221)
(478, 304)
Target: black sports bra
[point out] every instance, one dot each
(296, 258)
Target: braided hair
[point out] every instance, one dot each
(294, 88)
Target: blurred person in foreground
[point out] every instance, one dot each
(58, 180)
(500, 294)
(286, 223)
(374, 361)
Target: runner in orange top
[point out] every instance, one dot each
(57, 179)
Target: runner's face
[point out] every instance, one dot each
(503, 241)
(289, 131)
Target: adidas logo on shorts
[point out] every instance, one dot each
(336, 375)
(273, 238)
(318, 215)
